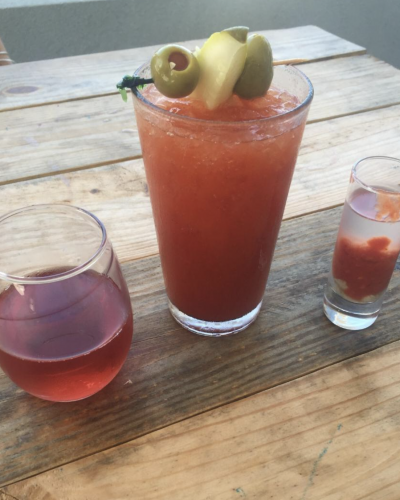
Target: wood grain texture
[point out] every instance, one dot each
(332, 435)
(67, 136)
(171, 374)
(350, 85)
(118, 193)
(329, 150)
(90, 132)
(35, 83)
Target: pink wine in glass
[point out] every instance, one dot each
(67, 339)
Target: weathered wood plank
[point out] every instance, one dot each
(118, 193)
(67, 136)
(30, 84)
(334, 435)
(329, 150)
(350, 85)
(90, 132)
(171, 374)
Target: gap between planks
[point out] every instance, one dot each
(6, 496)
(351, 113)
(49, 103)
(139, 156)
(105, 94)
(211, 409)
(301, 36)
(69, 171)
(95, 131)
(311, 277)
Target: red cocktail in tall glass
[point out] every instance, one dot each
(218, 184)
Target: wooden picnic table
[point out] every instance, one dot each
(291, 408)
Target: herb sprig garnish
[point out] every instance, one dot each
(133, 83)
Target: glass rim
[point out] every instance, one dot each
(368, 187)
(191, 119)
(52, 278)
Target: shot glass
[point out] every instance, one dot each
(65, 313)
(367, 245)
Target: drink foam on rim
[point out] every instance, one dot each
(274, 103)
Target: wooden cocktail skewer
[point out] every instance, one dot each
(289, 61)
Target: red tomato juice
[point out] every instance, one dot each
(365, 268)
(367, 245)
(218, 190)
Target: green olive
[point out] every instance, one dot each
(175, 71)
(258, 70)
(239, 33)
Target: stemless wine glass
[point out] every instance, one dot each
(65, 314)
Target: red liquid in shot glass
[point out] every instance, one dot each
(367, 246)
(66, 340)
